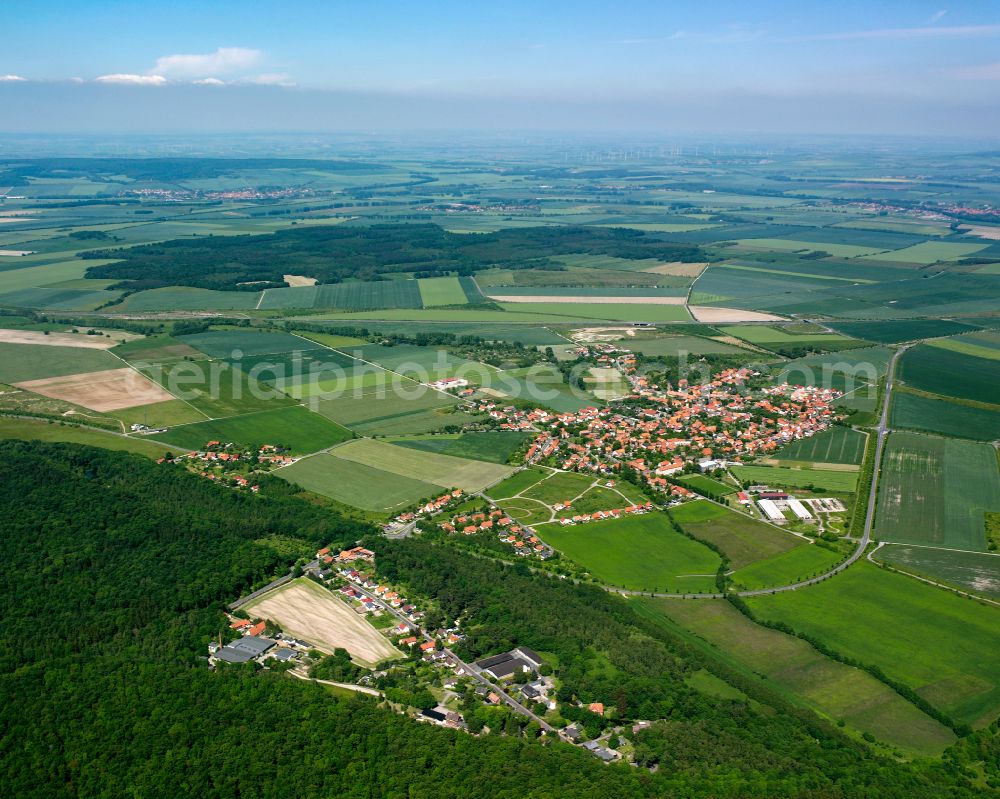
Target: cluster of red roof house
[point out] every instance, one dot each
(434, 506)
(715, 422)
(522, 539)
(384, 594)
(614, 513)
(345, 556)
(247, 627)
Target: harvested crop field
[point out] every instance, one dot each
(588, 300)
(313, 613)
(677, 269)
(704, 313)
(110, 390)
(56, 339)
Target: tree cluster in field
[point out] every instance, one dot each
(336, 253)
(115, 573)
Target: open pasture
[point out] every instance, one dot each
(941, 645)
(792, 566)
(518, 482)
(705, 484)
(767, 336)
(356, 484)
(935, 491)
(441, 291)
(155, 349)
(930, 252)
(38, 430)
(839, 445)
(108, 390)
(442, 470)
(636, 552)
(294, 427)
(744, 540)
(807, 677)
(311, 612)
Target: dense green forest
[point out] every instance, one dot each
(332, 254)
(115, 573)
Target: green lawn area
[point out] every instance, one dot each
(935, 491)
(518, 482)
(560, 487)
(37, 430)
(743, 539)
(637, 552)
(705, 484)
(804, 676)
(357, 485)
(20, 362)
(526, 511)
(940, 644)
(442, 470)
(784, 477)
(295, 427)
(787, 567)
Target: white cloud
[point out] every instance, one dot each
(10, 78)
(132, 80)
(936, 16)
(209, 82)
(271, 79)
(980, 72)
(942, 32)
(224, 61)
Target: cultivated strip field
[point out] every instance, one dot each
(587, 300)
(56, 339)
(311, 612)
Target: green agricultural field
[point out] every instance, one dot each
(706, 485)
(441, 291)
(560, 487)
(790, 245)
(672, 346)
(840, 370)
(743, 539)
(950, 374)
(838, 444)
(20, 362)
(518, 482)
(764, 335)
(784, 477)
(792, 566)
(223, 343)
(803, 675)
(941, 645)
(969, 345)
(916, 412)
(155, 349)
(37, 430)
(903, 330)
(215, 388)
(494, 447)
(442, 470)
(357, 485)
(373, 407)
(295, 427)
(184, 298)
(636, 552)
(930, 252)
(159, 414)
(935, 491)
(356, 296)
(977, 572)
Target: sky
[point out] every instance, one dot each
(897, 67)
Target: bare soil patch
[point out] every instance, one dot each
(313, 613)
(704, 313)
(15, 253)
(677, 269)
(57, 339)
(108, 390)
(299, 280)
(982, 231)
